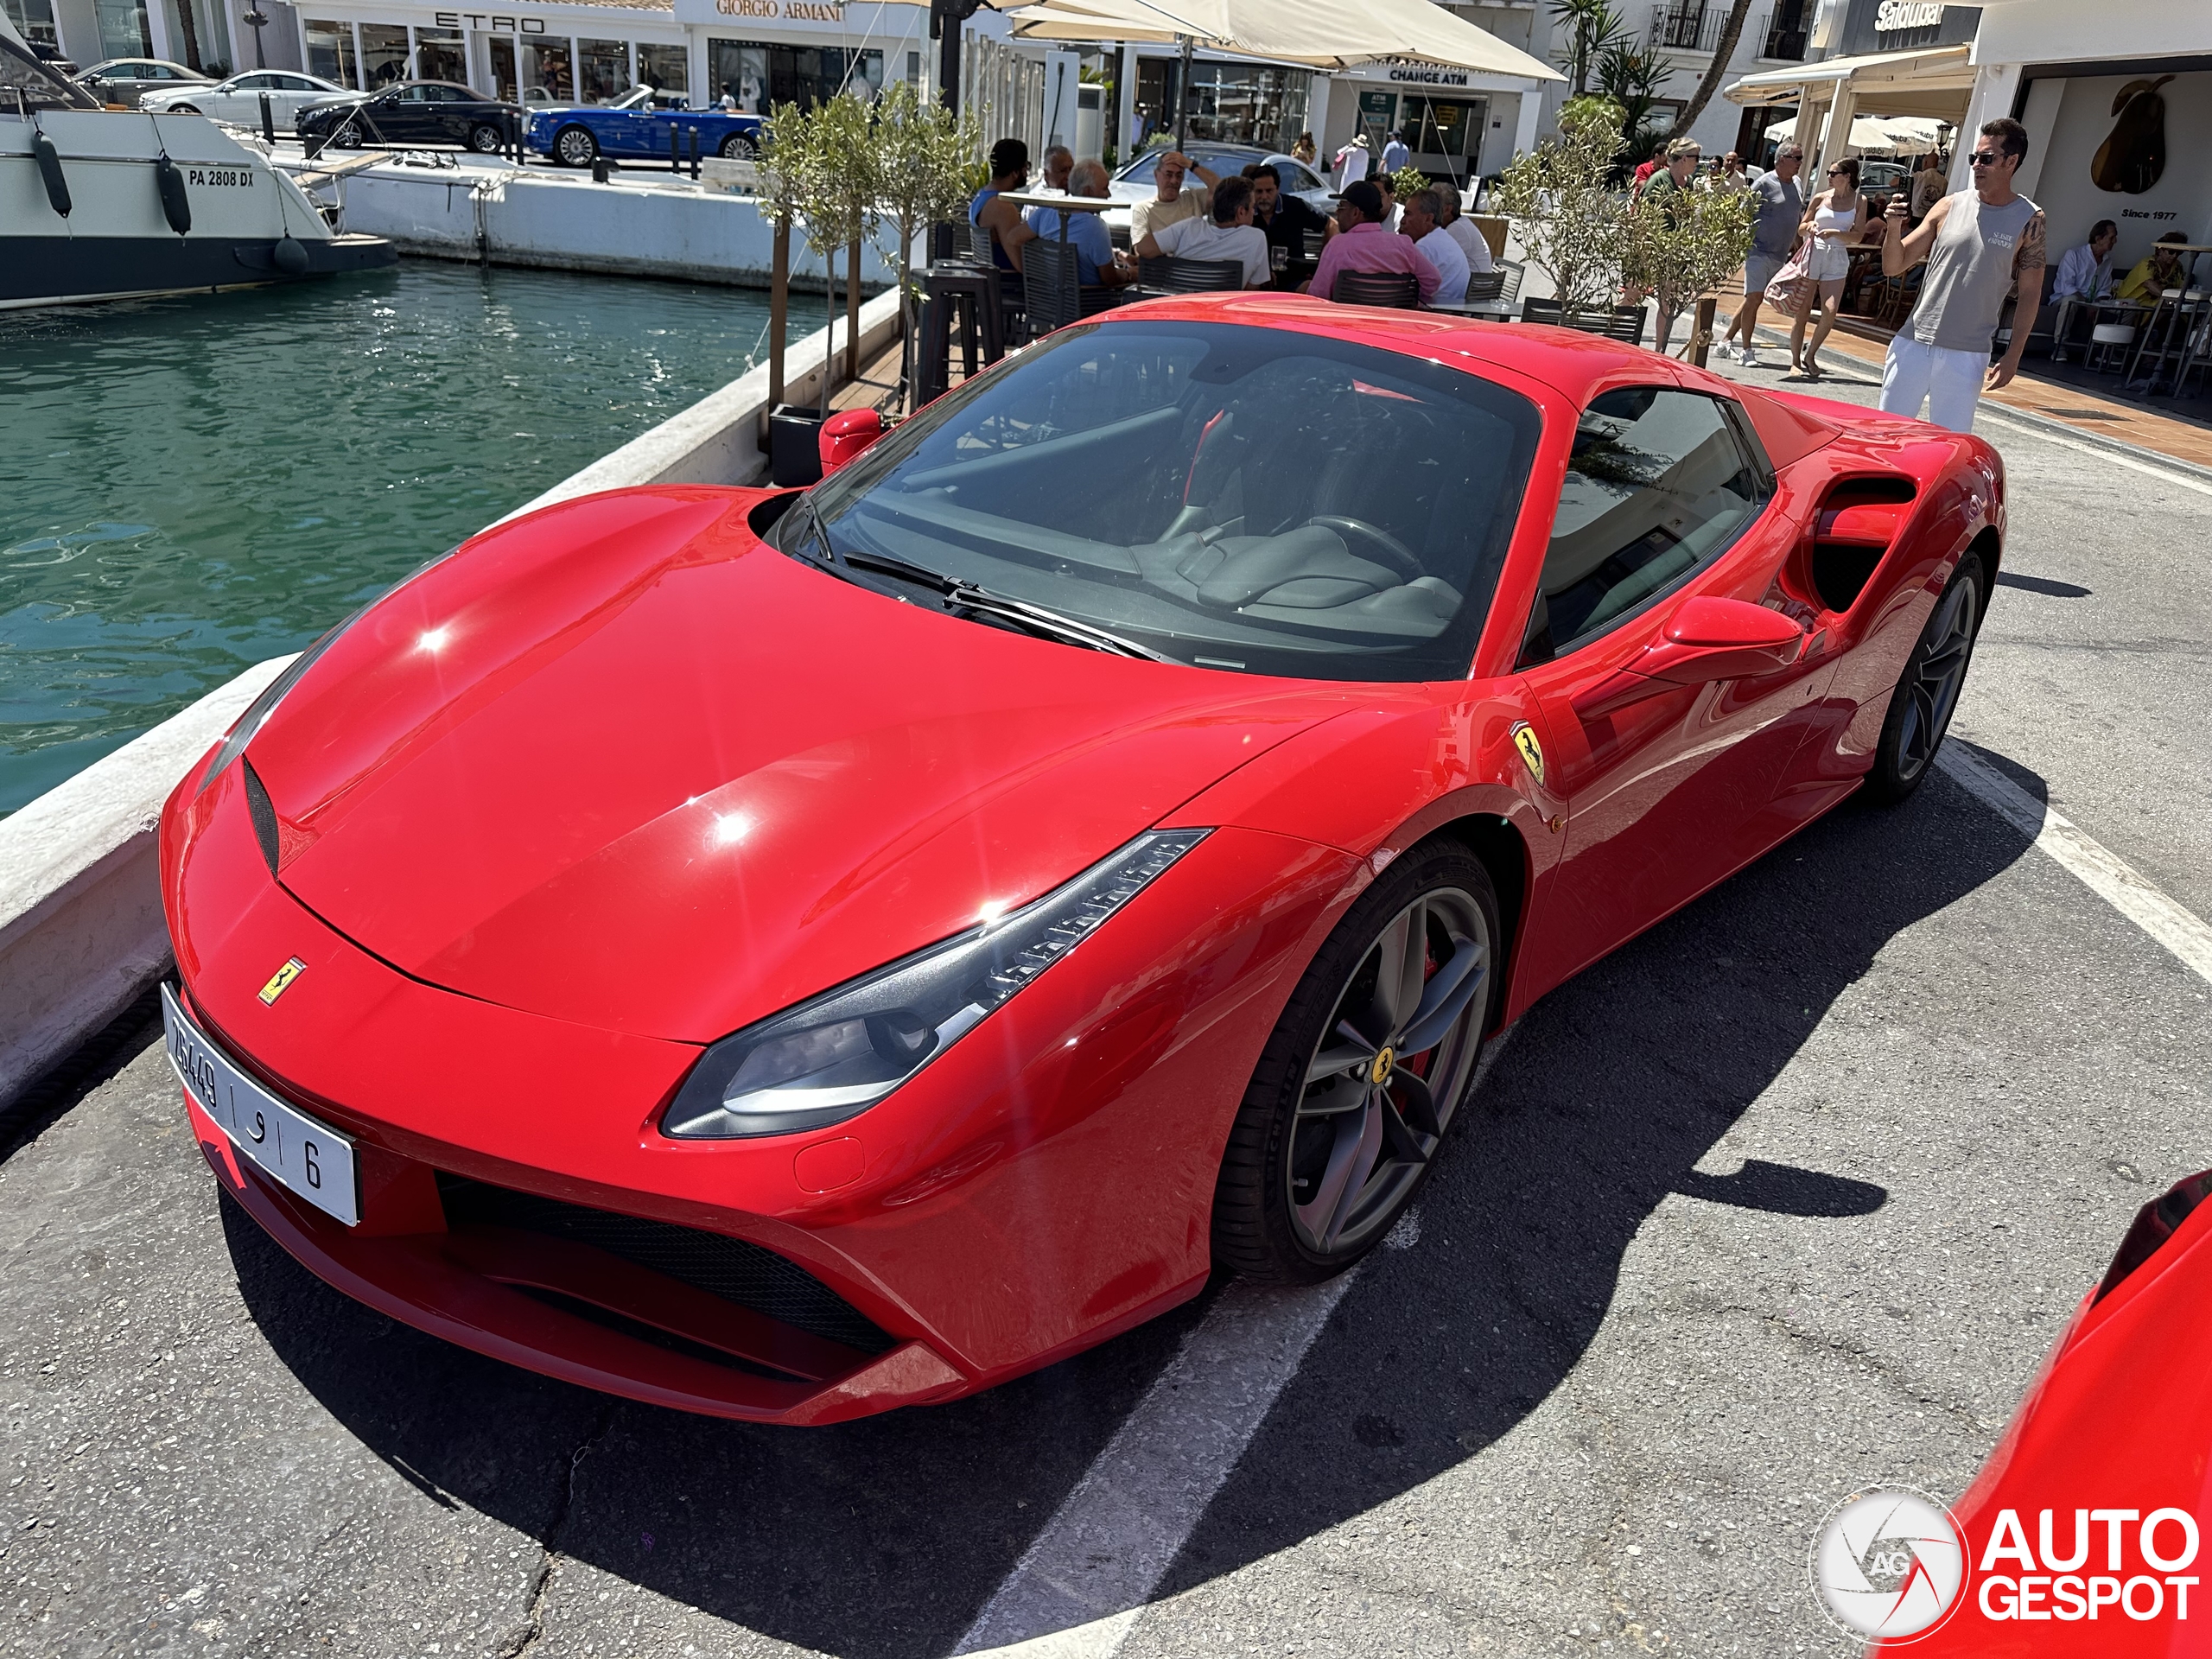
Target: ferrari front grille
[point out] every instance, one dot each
(744, 1274)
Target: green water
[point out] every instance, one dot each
(188, 487)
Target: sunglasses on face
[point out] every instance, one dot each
(1987, 158)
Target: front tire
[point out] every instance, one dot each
(1366, 1068)
(1927, 691)
(486, 139)
(737, 148)
(347, 137)
(574, 147)
(181, 109)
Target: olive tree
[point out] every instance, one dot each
(1561, 196)
(922, 157)
(818, 172)
(1682, 245)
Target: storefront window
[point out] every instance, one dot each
(124, 30)
(383, 54)
(602, 70)
(759, 76)
(546, 71)
(1452, 128)
(500, 50)
(330, 51)
(33, 20)
(1235, 104)
(666, 69)
(200, 34)
(440, 57)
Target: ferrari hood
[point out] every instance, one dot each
(619, 763)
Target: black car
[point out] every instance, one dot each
(411, 112)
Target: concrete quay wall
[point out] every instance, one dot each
(81, 929)
(635, 224)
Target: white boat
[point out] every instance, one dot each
(104, 203)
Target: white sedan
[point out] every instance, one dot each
(238, 98)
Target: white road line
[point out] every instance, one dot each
(1083, 1585)
(2111, 878)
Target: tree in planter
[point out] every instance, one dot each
(922, 157)
(1591, 26)
(1560, 194)
(1683, 245)
(821, 162)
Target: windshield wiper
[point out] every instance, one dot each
(963, 595)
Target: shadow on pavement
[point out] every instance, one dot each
(882, 1540)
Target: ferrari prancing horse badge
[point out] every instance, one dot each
(1524, 739)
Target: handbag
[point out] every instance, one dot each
(1791, 289)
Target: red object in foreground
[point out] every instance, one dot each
(789, 957)
(2083, 1531)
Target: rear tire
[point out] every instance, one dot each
(486, 139)
(1927, 691)
(737, 148)
(574, 146)
(1345, 1114)
(347, 137)
(181, 109)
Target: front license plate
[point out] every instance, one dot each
(309, 1158)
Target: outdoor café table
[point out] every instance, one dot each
(1066, 204)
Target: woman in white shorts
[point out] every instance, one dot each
(1835, 219)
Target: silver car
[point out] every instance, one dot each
(125, 80)
(238, 98)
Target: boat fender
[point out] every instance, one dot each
(176, 208)
(49, 168)
(291, 258)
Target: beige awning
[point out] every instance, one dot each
(1875, 135)
(1318, 33)
(1878, 77)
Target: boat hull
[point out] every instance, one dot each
(78, 270)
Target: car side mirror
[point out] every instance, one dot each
(1707, 639)
(845, 436)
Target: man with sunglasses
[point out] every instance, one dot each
(1977, 244)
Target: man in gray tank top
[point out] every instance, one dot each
(1977, 244)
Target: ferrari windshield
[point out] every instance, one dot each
(1227, 496)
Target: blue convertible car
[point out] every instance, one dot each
(637, 127)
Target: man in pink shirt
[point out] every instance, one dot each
(1364, 242)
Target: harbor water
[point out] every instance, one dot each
(191, 485)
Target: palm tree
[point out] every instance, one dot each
(1723, 49)
(1591, 27)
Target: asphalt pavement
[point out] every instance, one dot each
(1790, 1196)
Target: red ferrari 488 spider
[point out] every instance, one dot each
(789, 956)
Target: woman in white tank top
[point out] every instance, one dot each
(1835, 219)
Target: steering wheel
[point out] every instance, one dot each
(1390, 551)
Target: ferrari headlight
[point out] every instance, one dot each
(839, 1053)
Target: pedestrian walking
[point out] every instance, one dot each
(1977, 244)
(1396, 156)
(1351, 162)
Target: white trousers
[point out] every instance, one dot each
(1949, 383)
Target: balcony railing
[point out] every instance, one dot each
(1688, 29)
(1786, 37)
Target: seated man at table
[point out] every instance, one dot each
(1363, 242)
(1417, 223)
(1283, 219)
(1227, 232)
(1059, 161)
(2085, 273)
(1172, 199)
(1009, 171)
(2156, 271)
(1468, 234)
(1095, 266)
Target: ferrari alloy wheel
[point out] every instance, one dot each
(737, 148)
(1921, 708)
(485, 138)
(1364, 1074)
(574, 147)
